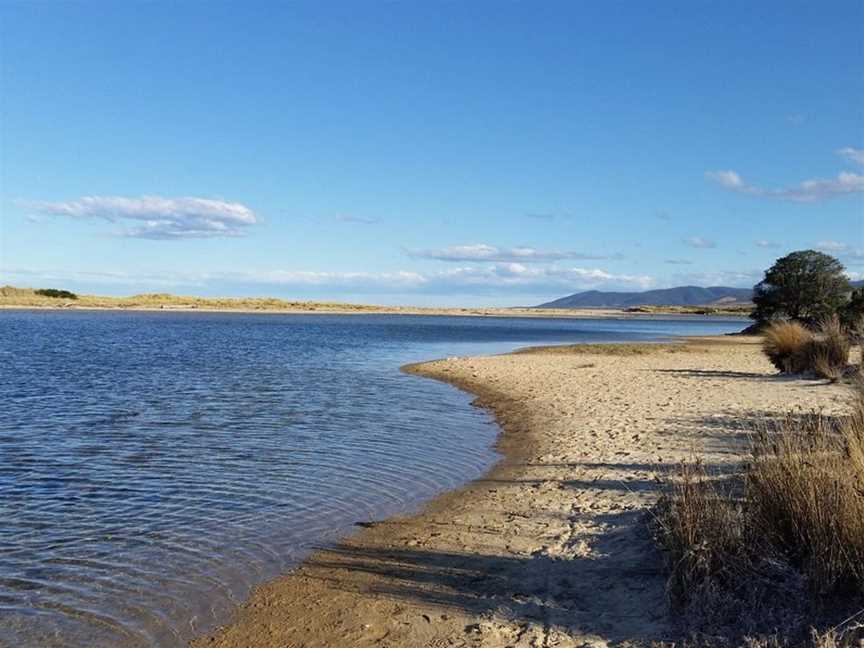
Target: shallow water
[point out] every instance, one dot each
(155, 466)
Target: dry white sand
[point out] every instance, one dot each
(552, 548)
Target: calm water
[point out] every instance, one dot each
(155, 466)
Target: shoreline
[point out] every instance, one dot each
(550, 547)
(556, 313)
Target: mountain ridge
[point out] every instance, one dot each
(677, 296)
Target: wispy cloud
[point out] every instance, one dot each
(504, 278)
(491, 253)
(845, 251)
(764, 243)
(852, 154)
(815, 190)
(346, 218)
(678, 262)
(699, 242)
(156, 217)
(832, 246)
(734, 278)
(517, 274)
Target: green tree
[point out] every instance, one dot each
(806, 286)
(852, 315)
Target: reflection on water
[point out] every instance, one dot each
(155, 466)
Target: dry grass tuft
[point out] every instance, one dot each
(701, 532)
(793, 522)
(791, 348)
(787, 346)
(829, 351)
(805, 490)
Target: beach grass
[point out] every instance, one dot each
(794, 349)
(792, 521)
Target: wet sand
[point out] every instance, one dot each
(551, 548)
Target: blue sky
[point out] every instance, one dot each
(481, 153)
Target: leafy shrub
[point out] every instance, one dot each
(56, 293)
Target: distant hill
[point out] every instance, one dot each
(681, 296)
(857, 284)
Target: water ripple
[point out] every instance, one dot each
(155, 467)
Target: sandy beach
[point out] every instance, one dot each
(551, 548)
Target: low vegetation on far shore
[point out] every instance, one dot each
(734, 310)
(43, 298)
(12, 297)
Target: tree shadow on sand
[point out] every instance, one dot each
(742, 375)
(616, 591)
(595, 596)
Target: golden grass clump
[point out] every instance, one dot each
(829, 351)
(787, 346)
(791, 348)
(805, 491)
(701, 532)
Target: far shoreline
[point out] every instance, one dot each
(58, 300)
(510, 312)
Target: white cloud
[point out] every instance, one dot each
(483, 252)
(728, 179)
(763, 243)
(156, 217)
(504, 277)
(734, 278)
(852, 154)
(334, 279)
(511, 274)
(678, 262)
(699, 242)
(832, 246)
(846, 182)
(845, 251)
(347, 218)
